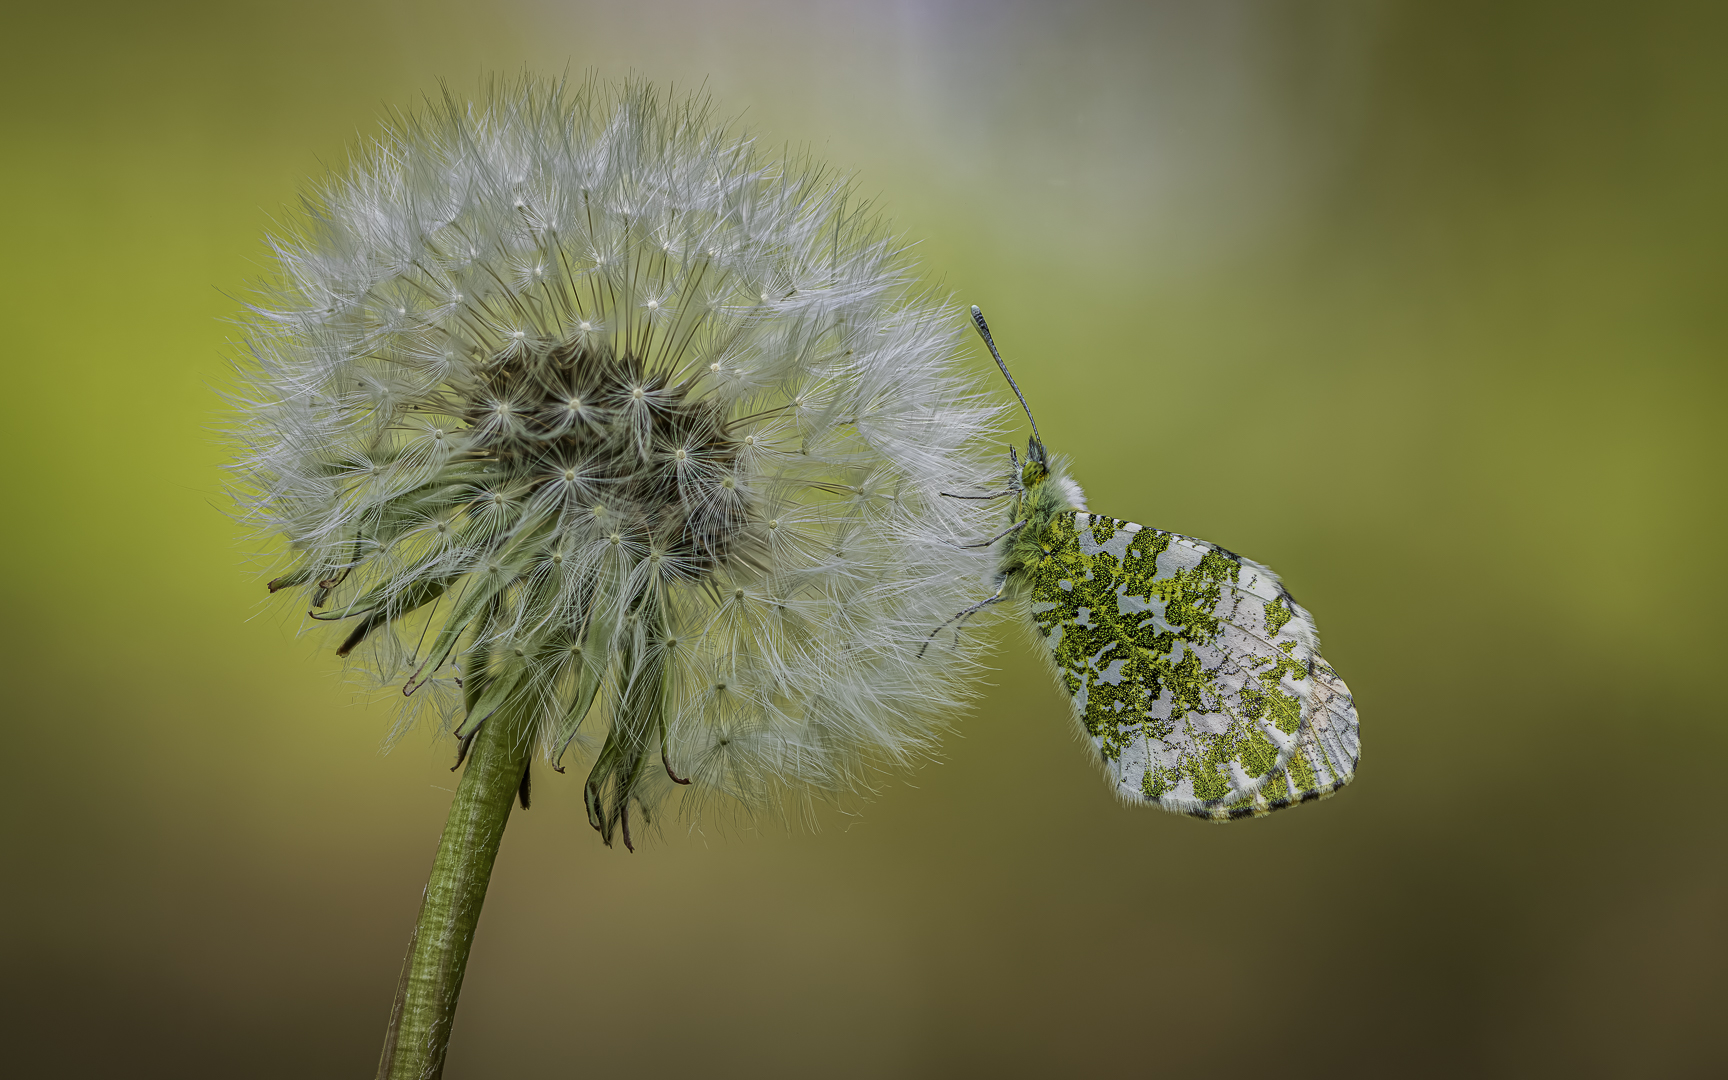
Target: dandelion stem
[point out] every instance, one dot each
(419, 1033)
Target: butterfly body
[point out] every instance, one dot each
(1191, 670)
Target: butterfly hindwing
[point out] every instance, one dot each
(1191, 669)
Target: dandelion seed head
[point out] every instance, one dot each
(471, 405)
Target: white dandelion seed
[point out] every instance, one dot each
(572, 393)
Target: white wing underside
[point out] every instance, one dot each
(1192, 670)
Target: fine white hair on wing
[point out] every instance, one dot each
(536, 365)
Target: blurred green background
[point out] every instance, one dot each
(1420, 303)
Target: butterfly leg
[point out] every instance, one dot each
(964, 615)
(960, 620)
(986, 543)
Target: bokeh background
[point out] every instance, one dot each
(1420, 303)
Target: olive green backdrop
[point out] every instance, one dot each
(1422, 304)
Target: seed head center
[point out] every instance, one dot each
(523, 423)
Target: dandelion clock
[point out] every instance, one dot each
(618, 448)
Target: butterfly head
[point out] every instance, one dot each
(1037, 465)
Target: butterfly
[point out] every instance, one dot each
(1192, 670)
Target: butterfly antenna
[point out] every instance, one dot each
(984, 332)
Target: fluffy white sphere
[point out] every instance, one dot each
(570, 391)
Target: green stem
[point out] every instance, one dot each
(420, 1022)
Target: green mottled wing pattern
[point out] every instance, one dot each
(1191, 669)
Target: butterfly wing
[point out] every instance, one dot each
(1192, 670)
